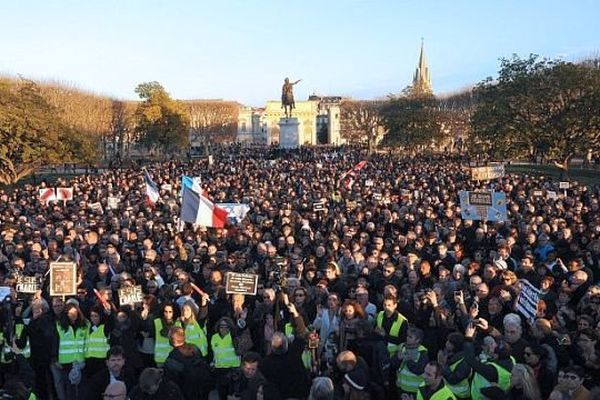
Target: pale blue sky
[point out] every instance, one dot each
(242, 49)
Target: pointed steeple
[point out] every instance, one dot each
(422, 79)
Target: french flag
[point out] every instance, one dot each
(152, 192)
(199, 210)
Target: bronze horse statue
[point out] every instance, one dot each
(287, 97)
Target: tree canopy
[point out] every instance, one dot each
(32, 132)
(161, 121)
(538, 106)
(361, 121)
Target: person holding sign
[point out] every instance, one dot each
(72, 329)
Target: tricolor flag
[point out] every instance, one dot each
(199, 210)
(152, 192)
(352, 173)
(192, 183)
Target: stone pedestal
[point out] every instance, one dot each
(289, 133)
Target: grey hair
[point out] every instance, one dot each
(512, 319)
(321, 389)
(42, 303)
(269, 292)
(283, 348)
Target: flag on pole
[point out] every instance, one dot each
(152, 192)
(197, 209)
(352, 174)
(192, 183)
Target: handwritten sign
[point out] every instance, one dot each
(318, 206)
(238, 283)
(63, 279)
(564, 185)
(131, 295)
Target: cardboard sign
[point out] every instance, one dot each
(131, 295)
(63, 279)
(113, 203)
(487, 173)
(64, 193)
(564, 185)
(318, 206)
(238, 283)
(27, 284)
(490, 206)
(47, 195)
(527, 302)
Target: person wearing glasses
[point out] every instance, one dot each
(570, 380)
(115, 391)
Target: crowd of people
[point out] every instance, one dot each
(370, 284)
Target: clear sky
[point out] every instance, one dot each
(242, 49)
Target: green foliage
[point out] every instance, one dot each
(538, 106)
(31, 133)
(161, 121)
(412, 121)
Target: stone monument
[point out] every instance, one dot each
(289, 133)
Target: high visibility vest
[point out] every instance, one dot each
(461, 389)
(394, 330)
(3, 358)
(479, 382)
(162, 346)
(194, 334)
(405, 379)
(26, 351)
(224, 352)
(306, 354)
(71, 346)
(32, 396)
(97, 344)
(443, 393)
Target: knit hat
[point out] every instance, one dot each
(501, 264)
(356, 379)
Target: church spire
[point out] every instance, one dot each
(422, 79)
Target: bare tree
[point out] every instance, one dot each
(361, 121)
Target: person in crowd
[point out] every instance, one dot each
(115, 370)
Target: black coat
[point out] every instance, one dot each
(166, 391)
(43, 340)
(287, 372)
(99, 381)
(186, 368)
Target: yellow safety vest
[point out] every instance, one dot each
(306, 354)
(462, 389)
(394, 330)
(97, 344)
(479, 382)
(71, 346)
(162, 346)
(405, 379)
(194, 334)
(224, 352)
(443, 393)
(26, 351)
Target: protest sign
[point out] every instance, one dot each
(97, 207)
(236, 212)
(489, 206)
(377, 196)
(166, 186)
(537, 193)
(4, 292)
(318, 206)
(564, 185)
(27, 284)
(238, 283)
(131, 295)
(46, 195)
(487, 173)
(63, 279)
(64, 193)
(528, 300)
(369, 183)
(551, 195)
(113, 203)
